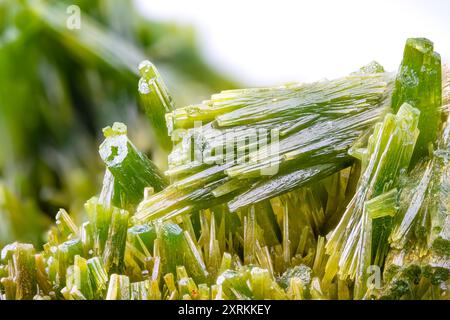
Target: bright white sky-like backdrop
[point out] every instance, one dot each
(272, 42)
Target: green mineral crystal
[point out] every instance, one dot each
(360, 239)
(343, 193)
(297, 133)
(418, 83)
(131, 170)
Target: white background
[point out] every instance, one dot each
(271, 42)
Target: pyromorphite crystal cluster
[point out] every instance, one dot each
(330, 190)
